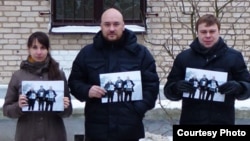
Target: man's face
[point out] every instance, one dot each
(208, 35)
(112, 25)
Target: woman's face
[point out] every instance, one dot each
(38, 52)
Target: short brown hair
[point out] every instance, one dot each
(209, 19)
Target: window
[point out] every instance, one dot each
(88, 12)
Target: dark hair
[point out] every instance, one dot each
(209, 19)
(53, 68)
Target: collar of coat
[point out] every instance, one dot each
(218, 49)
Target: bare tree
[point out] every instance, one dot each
(182, 16)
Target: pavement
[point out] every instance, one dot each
(75, 126)
(158, 122)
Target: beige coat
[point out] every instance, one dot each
(34, 126)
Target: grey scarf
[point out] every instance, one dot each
(35, 67)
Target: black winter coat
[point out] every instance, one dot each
(121, 120)
(219, 58)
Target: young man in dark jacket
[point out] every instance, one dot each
(114, 49)
(41, 98)
(209, 52)
(110, 88)
(128, 89)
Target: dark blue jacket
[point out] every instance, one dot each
(219, 58)
(120, 120)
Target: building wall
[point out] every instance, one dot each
(169, 31)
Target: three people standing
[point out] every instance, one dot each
(115, 49)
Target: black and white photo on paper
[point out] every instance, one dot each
(43, 95)
(121, 86)
(206, 84)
